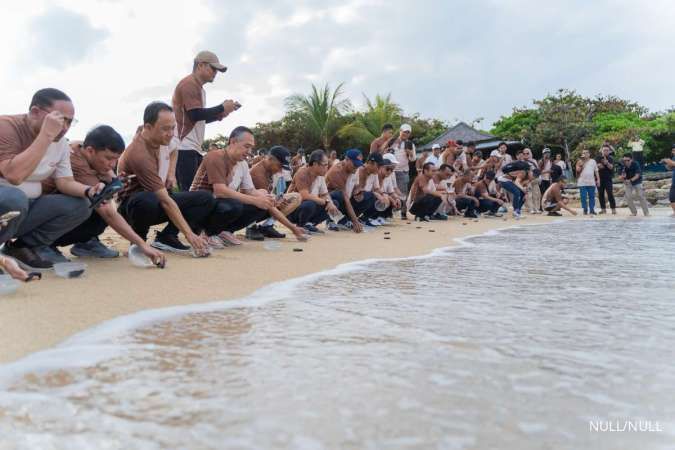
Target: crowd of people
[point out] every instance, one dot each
(56, 193)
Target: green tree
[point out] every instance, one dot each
(367, 125)
(320, 110)
(521, 124)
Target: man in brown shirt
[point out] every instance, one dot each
(345, 191)
(189, 104)
(310, 183)
(379, 144)
(263, 175)
(424, 198)
(145, 200)
(225, 174)
(33, 148)
(93, 162)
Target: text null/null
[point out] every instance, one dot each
(625, 425)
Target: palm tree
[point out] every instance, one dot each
(368, 124)
(321, 110)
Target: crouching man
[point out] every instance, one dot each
(33, 148)
(92, 163)
(310, 182)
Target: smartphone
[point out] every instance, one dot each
(6, 217)
(237, 105)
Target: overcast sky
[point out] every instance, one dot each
(453, 60)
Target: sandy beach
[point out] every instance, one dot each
(41, 315)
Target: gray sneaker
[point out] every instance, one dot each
(93, 248)
(51, 254)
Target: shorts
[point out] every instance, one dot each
(548, 207)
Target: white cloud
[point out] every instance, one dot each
(447, 59)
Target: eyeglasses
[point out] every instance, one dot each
(406, 132)
(70, 121)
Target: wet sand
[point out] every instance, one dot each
(42, 314)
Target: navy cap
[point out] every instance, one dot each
(355, 156)
(376, 157)
(283, 155)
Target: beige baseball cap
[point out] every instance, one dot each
(206, 56)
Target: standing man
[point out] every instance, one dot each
(379, 144)
(587, 179)
(606, 171)
(145, 200)
(670, 164)
(404, 151)
(545, 166)
(33, 148)
(632, 180)
(189, 104)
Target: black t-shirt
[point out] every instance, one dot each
(605, 173)
(632, 170)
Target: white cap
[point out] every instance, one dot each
(406, 127)
(435, 146)
(390, 157)
(495, 153)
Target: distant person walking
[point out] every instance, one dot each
(404, 151)
(632, 179)
(587, 179)
(189, 104)
(606, 172)
(670, 164)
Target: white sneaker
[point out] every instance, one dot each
(229, 238)
(215, 242)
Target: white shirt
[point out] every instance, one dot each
(637, 146)
(506, 159)
(165, 152)
(319, 186)
(55, 164)
(436, 160)
(195, 138)
(402, 156)
(241, 178)
(587, 176)
(372, 183)
(562, 164)
(389, 184)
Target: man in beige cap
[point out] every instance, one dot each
(189, 104)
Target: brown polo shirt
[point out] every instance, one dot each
(216, 168)
(187, 95)
(141, 159)
(261, 178)
(82, 172)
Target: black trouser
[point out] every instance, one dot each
(225, 212)
(186, 167)
(485, 205)
(606, 186)
(466, 204)
(92, 227)
(426, 205)
(308, 212)
(360, 207)
(12, 199)
(142, 210)
(249, 214)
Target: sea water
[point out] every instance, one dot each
(539, 337)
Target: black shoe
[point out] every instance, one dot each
(27, 258)
(439, 216)
(254, 234)
(471, 215)
(311, 229)
(554, 213)
(422, 218)
(270, 232)
(169, 243)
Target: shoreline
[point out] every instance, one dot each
(55, 311)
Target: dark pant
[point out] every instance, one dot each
(488, 205)
(360, 207)
(608, 187)
(543, 186)
(92, 227)
(12, 199)
(308, 212)
(467, 205)
(49, 217)
(225, 213)
(142, 210)
(249, 214)
(425, 205)
(516, 194)
(186, 167)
